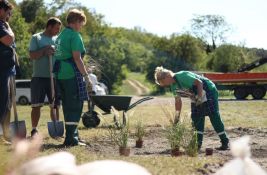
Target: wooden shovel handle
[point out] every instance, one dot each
(13, 89)
(52, 88)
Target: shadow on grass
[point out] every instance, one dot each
(50, 146)
(165, 152)
(245, 100)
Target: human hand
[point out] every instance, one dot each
(88, 83)
(49, 50)
(198, 100)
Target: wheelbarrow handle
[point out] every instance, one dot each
(138, 102)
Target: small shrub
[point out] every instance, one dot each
(175, 134)
(139, 130)
(192, 148)
(119, 135)
(181, 133)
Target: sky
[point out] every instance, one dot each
(247, 18)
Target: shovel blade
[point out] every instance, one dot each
(55, 128)
(18, 129)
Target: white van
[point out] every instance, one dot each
(23, 91)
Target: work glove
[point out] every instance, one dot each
(201, 99)
(198, 100)
(88, 83)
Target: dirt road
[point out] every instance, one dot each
(139, 88)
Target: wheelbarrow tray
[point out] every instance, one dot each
(104, 102)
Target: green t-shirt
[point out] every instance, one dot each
(68, 41)
(41, 65)
(185, 81)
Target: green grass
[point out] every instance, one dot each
(234, 114)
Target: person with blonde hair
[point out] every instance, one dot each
(204, 100)
(72, 77)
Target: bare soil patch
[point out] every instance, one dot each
(155, 143)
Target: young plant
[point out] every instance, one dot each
(180, 133)
(175, 136)
(120, 134)
(192, 147)
(139, 130)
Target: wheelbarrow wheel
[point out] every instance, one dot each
(90, 119)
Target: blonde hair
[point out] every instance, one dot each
(76, 15)
(161, 73)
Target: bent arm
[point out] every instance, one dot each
(45, 51)
(7, 34)
(199, 86)
(79, 62)
(178, 103)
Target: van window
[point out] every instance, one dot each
(23, 84)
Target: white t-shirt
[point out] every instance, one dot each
(94, 81)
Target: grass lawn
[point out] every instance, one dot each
(250, 114)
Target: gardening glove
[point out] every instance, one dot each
(198, 100)
(88, 83)
(176, 117)
(201, 99)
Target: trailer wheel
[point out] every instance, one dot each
(241, 93)
(258, 92)
(90, 119)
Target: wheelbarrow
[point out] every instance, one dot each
(91, 119)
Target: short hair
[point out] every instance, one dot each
(161, 73)
(76, 15)
(4, 4)
(53, 21)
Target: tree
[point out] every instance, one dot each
(212, 29)
(22, 37)
(187, 49)
(29, 9)
(227, 58)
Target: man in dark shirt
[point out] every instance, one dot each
(6, 76)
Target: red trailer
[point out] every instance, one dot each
(242, 83)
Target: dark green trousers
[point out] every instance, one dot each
(215, 119)
(72, 109)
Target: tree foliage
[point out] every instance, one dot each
(227, 58)
(210, 28)
(117, 50)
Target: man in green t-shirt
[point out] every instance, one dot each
(41, 47)
(204, 96)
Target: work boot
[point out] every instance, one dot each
(81, 143)
(34, 132)
(71, 144)
(223, 147)
(81, 140)
(199, 147)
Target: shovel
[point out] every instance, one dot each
(55, 128)
(17, 128)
